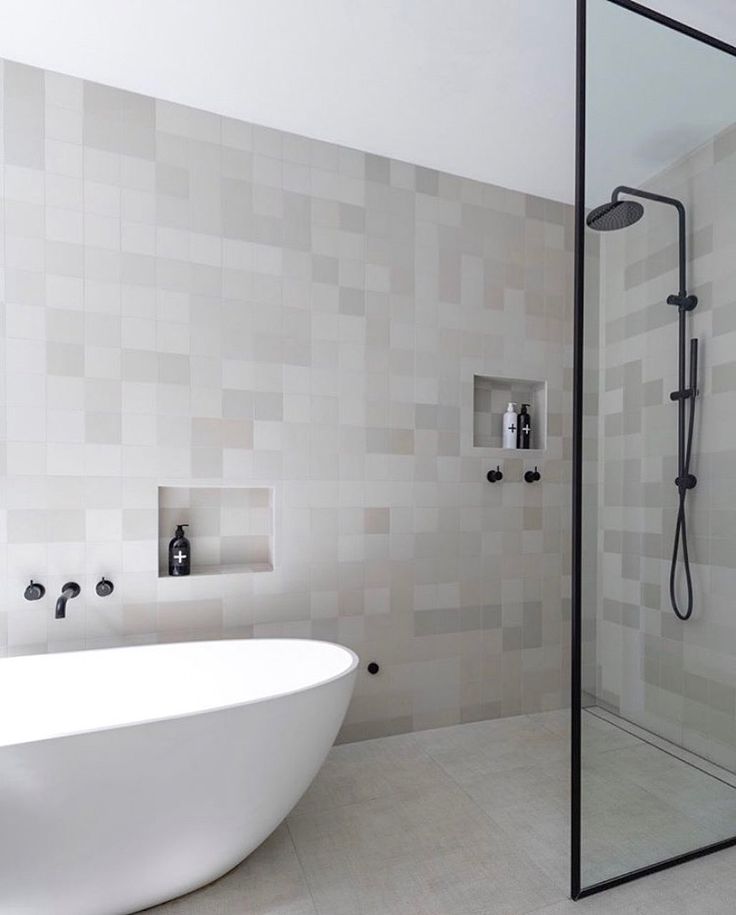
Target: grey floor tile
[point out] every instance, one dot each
(491, 747)
(371, 769)
(543, 832)
(557, 721)
(474, 820)
(268, 882)
(415, 854)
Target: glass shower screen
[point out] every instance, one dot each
(654, 634)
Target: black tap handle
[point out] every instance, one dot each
(533, 476)
(104, 587)
(494, 476)
(34, 591)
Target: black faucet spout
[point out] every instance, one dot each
(70, 590)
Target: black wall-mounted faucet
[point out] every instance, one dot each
(70, 590)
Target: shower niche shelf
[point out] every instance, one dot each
(491, 394)
(230, 528)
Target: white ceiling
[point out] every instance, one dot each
(481, 88)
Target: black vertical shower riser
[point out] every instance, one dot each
(619, 214)
(685, 419)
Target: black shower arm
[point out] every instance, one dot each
(670, 201)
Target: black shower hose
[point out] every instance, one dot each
(681, 524)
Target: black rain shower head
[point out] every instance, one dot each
(616, 214)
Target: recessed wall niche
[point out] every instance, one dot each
(230, 527)
(491, 395)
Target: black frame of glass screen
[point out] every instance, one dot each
(576, 890)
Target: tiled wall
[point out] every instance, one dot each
(192, 300)
(678, 679)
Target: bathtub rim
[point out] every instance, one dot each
(228, 706)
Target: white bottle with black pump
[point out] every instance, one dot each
(510, 426)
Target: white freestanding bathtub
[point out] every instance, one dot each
(129, 776)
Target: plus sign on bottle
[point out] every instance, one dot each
(180, 558)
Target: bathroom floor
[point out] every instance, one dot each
(473, 820)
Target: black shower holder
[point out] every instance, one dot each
(683, 395)
(685, 302)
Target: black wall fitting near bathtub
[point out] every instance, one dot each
(70, 590)
(373, 667)
(34, 591)
(494, 476)
(533, 476)
(104, 587)
(619, 214)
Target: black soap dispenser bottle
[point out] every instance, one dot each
(524, 430)
(180, 554)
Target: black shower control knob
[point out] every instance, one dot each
(533, 476)
(104, 588)
(494, 476)
(34, 591)
(373, 668)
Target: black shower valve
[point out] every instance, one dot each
(533, 476)
(34, 591)
(494, 476)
